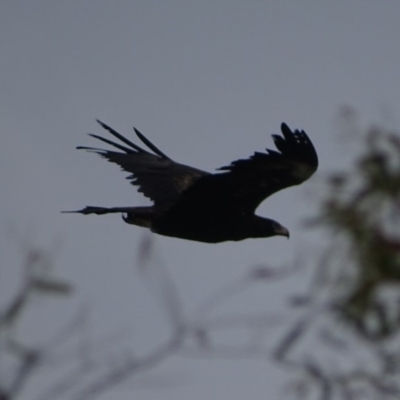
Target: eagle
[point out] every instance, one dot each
(207, 207)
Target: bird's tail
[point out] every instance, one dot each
(141, 216)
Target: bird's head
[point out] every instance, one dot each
(265, 227)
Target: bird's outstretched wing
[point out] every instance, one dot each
(245, 183)
(158, 177)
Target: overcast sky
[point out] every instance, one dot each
(207, 82)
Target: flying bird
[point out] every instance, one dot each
(196, 205)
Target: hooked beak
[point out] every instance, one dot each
(282, 231)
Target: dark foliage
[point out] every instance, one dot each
(362, 210)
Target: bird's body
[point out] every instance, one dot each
(196, 205)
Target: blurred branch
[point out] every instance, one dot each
(36, 279)
(133, 366)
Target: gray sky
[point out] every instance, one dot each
(207, 82)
